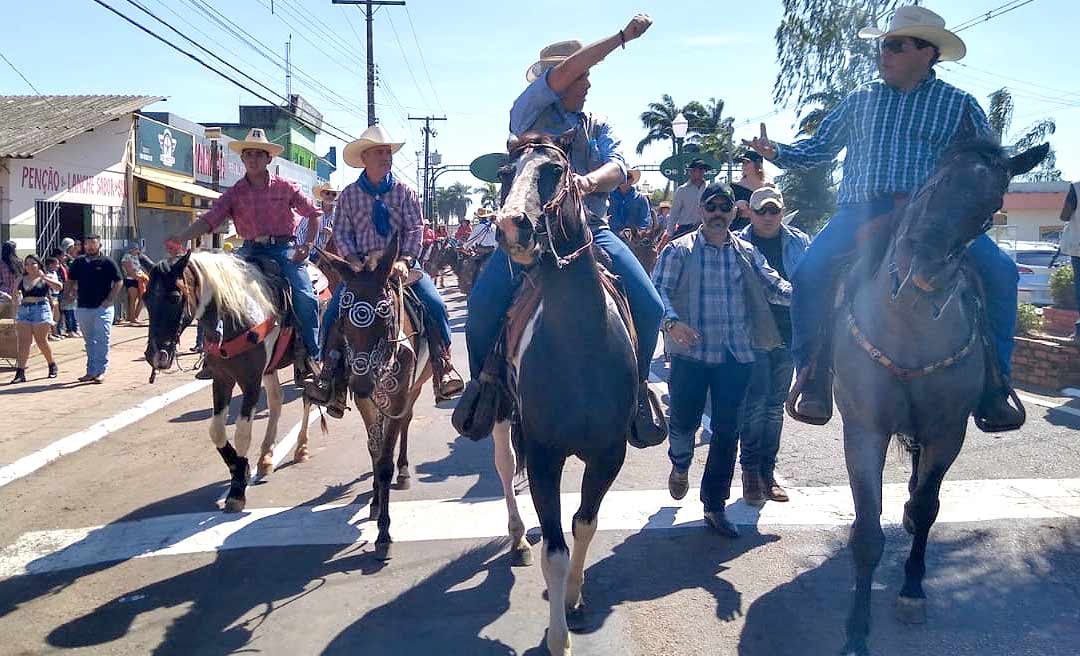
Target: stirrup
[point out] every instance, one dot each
(986, 427)
(795, 395)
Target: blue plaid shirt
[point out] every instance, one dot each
(723, 320)
(893, 139)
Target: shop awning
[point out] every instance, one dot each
(169, 181)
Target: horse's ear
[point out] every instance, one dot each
(334, 262)
(181, 263)
(1028, 159)
(389, 256)
(512, 143)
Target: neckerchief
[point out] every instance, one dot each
(380, 213)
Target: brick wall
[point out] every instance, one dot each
(1050, 362)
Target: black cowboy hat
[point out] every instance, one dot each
(698, 164)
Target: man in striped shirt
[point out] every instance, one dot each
(895, 130)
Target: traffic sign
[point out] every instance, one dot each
(486, 167)
(674, 168)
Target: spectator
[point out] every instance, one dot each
(464, 229)
(34, 319)
(753, 177)
(1070, 243)
(686, 209)
(67, 297)
(10, 270)
(97, 282)
(52, 271)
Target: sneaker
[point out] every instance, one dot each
(678, 482)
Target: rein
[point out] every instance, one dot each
(554, 207)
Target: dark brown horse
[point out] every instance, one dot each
(644, 243)
(388, 361)
(444, 255)
(253, 345)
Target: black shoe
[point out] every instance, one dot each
(995, 413)
(718, 521)
(649, 426)
(678, 482)
(20, 377)
(53, 371)
(810, 400)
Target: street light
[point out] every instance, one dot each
(679, 126)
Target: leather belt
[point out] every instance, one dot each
(269, 240)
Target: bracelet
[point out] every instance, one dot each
(622, 39)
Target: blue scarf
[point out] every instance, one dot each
(380, 213)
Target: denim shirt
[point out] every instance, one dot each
(539, 109)
(629, 210)
(793, 245)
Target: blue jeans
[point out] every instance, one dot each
(493, 293)
(425, 290)
(1076, 282)
(71, 323)
(305, 307)
(762, 418)
(814, 281)
(96, 326)
(725, 383)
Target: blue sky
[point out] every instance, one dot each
(475, 53)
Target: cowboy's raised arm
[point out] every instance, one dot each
(820, 148)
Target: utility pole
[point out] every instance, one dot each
(428, 191)
(369, 13)
(288, 70)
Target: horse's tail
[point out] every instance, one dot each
(519, 448)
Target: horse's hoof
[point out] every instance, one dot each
(911, 610)
(301, 454)
(383, 551)
(234, 504)
(404, 481)
(264, 470)
(521, 557)
(575, 618)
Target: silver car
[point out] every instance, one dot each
(1035, 260)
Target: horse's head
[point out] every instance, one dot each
(541, 209)
(367, 317)
(954, 207)
(170, 302)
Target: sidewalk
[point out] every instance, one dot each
(40, 411)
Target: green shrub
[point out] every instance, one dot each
(1028, 319)
(1061, 288)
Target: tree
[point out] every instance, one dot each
(489, 197)
(713, 132)
(1000, 117)
(657, 119)
(453, 201)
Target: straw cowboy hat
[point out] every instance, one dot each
(371, 137)
(632, 176)
(317, 190)
(256, 140)
(550, 57)
(921, 23)
(484, 213)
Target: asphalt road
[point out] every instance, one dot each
(119, 547)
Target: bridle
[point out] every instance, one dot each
(553, 209)
(187, 315)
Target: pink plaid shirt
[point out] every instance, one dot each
(261, 211)
(354, 231)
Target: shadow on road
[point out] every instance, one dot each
(466, 458)
(292, 393)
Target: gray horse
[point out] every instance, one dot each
(910, 361)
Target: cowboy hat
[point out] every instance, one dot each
(665, 204)
(484, 213)
(317, 190)
(921, 23)
(256, 140)
(550, 57)
(371, 137)
(632, 176)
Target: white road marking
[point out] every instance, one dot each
(285, 444)
(29, 464)
(415, 521)
(1046, 403)
(1071, 391)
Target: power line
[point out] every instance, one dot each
(993, 13)
(338, 132)
(19, 73)
(405, 58)
(423, 60)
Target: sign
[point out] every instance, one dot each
(163, 147)
(674, 167)
(61, 184)
(230, 168)
(486, 167)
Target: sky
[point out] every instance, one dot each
(466, 60)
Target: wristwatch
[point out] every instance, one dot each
(667, 324)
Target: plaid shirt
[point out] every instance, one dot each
(261, 211)
(723, 320)
(893, 139)
(354, 231)
(326, 221)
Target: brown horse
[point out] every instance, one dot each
(443, 255)
(254, 344)
(644, 243)
(388, 361)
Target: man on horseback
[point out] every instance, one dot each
(553, 104)
(263, 208)
(628, 207)
(895, 130)
(369, 212)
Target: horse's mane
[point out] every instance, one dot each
(237, 287)
(985, 147)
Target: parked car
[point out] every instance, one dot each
(1034, 261)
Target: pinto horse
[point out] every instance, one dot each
(443, 254)
(213, 287)
(574, 373)
(388, 360)
(910, 361)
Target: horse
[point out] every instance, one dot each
(208, 287)
(573, 374)
(443, 254)
(644, 243)
(470, 263)
(910, 360)
(388, 360)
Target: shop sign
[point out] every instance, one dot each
(103, 188)
(164, 147)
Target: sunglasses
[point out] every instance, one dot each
(895, 46)
(724, 206)
(769, 209)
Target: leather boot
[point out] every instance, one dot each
(810, 400)
(649, 426)
(447, 381)
(320, 390)
(995, 414)
(773, 491)
(753, 492)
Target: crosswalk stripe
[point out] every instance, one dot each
(417, 521)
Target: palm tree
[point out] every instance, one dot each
(489, 197)
(460, 200)
(657, 120)
(1000, 118)
(710, 129)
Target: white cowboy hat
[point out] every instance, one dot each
(921, 23)
(550, 57)
(317, 190)
(483, 213)
(256, 140)
(371, 137)
(632, 176)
